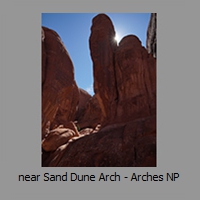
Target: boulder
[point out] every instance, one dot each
(59, 136)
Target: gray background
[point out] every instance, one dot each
(177, 108)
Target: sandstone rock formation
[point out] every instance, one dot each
(131, 144)
(124, 75)
(135, 73)
(59, 89)
(83, 99)
(59, 136)
(102, 47)
(88, 114)
(92, 115)
(151, 42)
(117, 127)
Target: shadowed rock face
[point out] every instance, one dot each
(92, 115)
(130, 144)
(59, 90)
(89, 113)
(83, 99)
(124, 104)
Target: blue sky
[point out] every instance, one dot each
(74, 30)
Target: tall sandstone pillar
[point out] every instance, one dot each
(102, 47)
(124, 75)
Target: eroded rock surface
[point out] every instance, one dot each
(135, 73)
(59, 90)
